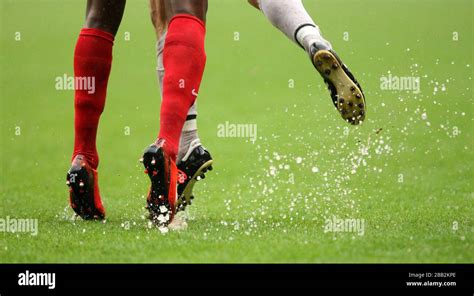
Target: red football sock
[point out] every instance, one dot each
(92, 60)
(184, 59)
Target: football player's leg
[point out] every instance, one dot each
(189, 134)
(290, 17)
(92, 61)
(184, 59)
(93, 58)
(193, 159)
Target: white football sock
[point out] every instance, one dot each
(290, 17)
(189, 132)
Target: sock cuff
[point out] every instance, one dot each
(298, 29)
(97, 33)
(185, 30)
(190, 17)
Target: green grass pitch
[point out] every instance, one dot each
(406, 172)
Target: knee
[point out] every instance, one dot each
(106, 19)
(98, 21)
(95, 20)
(197, 8)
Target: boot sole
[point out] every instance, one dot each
(350, 100)
(187, 194)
